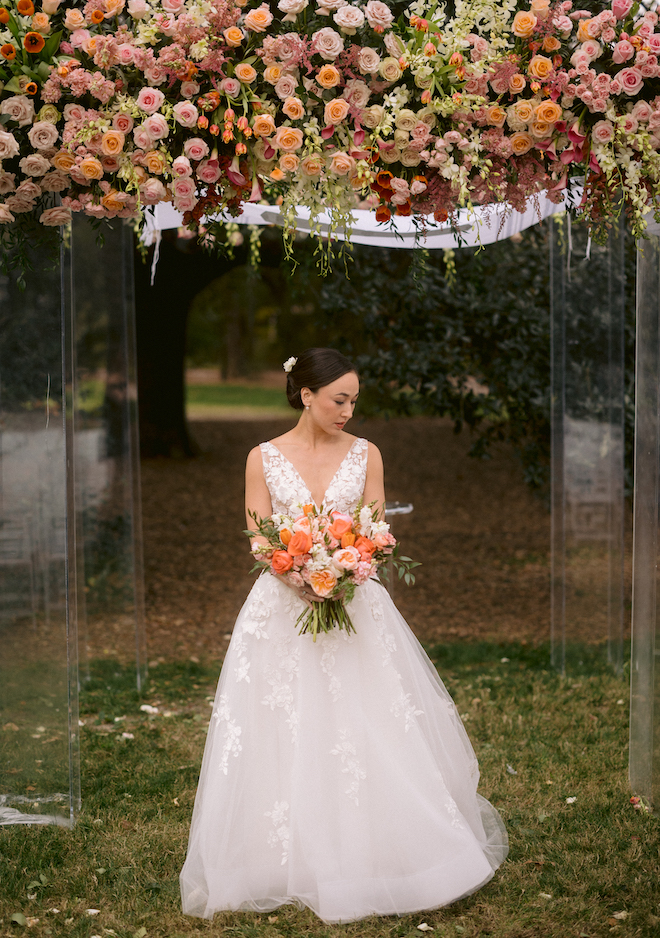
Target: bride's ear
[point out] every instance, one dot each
(305, 397)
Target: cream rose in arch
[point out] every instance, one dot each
(43, 135)
(294, 109)
(379, 16)
(313, 165)
(34, 165)
(328, 43)
(292, 8)
(368, 60)
(342, 164)
(263, 125)
(54, 217)
(390, 69)
(288, 139)
(336, 110)
(289, 162)
(349, 19)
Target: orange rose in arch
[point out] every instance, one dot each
(34, 42)
(300, 543)
(282, 561)
(339, 527)
(365, 547)
(540, 67)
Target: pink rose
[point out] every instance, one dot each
(152, 191)
(642, 111)
(55, 216)
(342, 164)
(156, 126)
(630, 124)
(5, 215)
(20, 108)
(602, 132)
(654, 121)
(34, 165)
(623, 51)
(621, 8)
(349, 19)
(43, 135)
(74, 112)
(346, 559)
(328, 43)
(138, 9)
(181, 166)
(208, 171)
(28, 190)
(189, 89)
(386, 539)
(416, 188)
(379, 16)
(125, 53)
(79, 37)
(155, 75)
(149, 100)
(55, 182)
(123, 123)
(184, 187)
(231, 87)
(185, 113)
(7, 182)
(368, 60)
(195, 149)
(356, 93)
(654, 43)
(172, 6)
(143, 140)
(631, 80)
(286, 86)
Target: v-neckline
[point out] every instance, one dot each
(330, 483)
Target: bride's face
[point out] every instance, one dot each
(332, 406)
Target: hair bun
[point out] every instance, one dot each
(314, 369)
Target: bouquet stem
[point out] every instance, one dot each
(324, 616)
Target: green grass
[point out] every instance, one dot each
(571, 866)
(234, 396)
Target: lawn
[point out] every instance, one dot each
(205, 401)
(553, 752)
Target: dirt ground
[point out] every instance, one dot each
(482, 537)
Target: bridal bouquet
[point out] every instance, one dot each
(326, 555)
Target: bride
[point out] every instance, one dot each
(337, 775)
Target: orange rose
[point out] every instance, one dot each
(496, 116)
(312, 165)
(114, 201)
(347, 540)
(523, 24)
(365, 547)
(521, 142)
(551, 44)
(294, 108)
(328, 76)
(233, 36)
(540, 8)
(63, 161)
(154, 161)
(276, 174)
(540, 130)
(289, 162)
(260, 19)
(288, 138)
(245, 73)
(587, 29)
(336, 110)
(263, 125)
(540, 66)
(91, 168)
(285, 535)
(300, 543)
(339, 527)
(323, 582)
(517, 84)
(112, 142)
(549, 112)
(281, 561)
(524, 111)
(273, 74)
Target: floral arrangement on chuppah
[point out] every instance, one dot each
(108, 106)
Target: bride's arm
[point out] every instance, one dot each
(374, 486)
(257, 496)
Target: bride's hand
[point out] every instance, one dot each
(307, 594)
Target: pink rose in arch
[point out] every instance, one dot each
(195, 149)
(623, 51)
(156, 126)
(185, 113)
(230, 86)
(149, 100)
(631, 80)
(208, 171)
(123, 123)
(621, 8)
(143, 140)
(181, 166)
(184, 187)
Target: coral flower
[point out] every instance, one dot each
(97, 17)
(33, 42)
(31, 88)
(383, 213)
(8, 51)
(4, 15)
(25, 7)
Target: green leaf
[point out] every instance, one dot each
(18, 918)
(51, 47)
(13, 85)
(12, 26)
(30, 73)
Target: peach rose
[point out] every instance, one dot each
(312, 165)
(540, 8)
(154, 161)
(41, 23)
(540, 66)
(346, 559)
(294, 108)
(54, 216)
(74, 19)
(551, 44)
(289, 162)
(112, 142)
(91, 168)
(549, 112)
(496, 116)
(288, 139)
(233, 36)
(342, 164)
(114, 201)
(335, 111)
(540, 129)
(245, 73)
(300, 543)
(517, 84)
(341, 524)
(260, 19)
(524, 111)
(322, 582)
(273, 74)
(328, 76)
(282, 561)
(521, 142)
(523, 24)
(263, 125)
(63, 161)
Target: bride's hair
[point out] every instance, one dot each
(314, 369)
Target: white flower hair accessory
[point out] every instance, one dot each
(289, 363)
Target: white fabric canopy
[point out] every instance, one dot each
(480, 225)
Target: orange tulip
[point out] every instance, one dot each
(97, 16)
(25, 7)
(8, 51)
(308, 509)
(31, 87)
(285, 536)
(347, 540)
(4, 15)
(33, 42)
(383, 213)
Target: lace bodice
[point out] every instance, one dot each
(288, 491)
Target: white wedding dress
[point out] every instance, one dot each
(337, 774)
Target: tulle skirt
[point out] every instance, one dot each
(337, 775)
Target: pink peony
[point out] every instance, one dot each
(346, 559)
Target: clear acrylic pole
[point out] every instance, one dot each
(587, 414)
